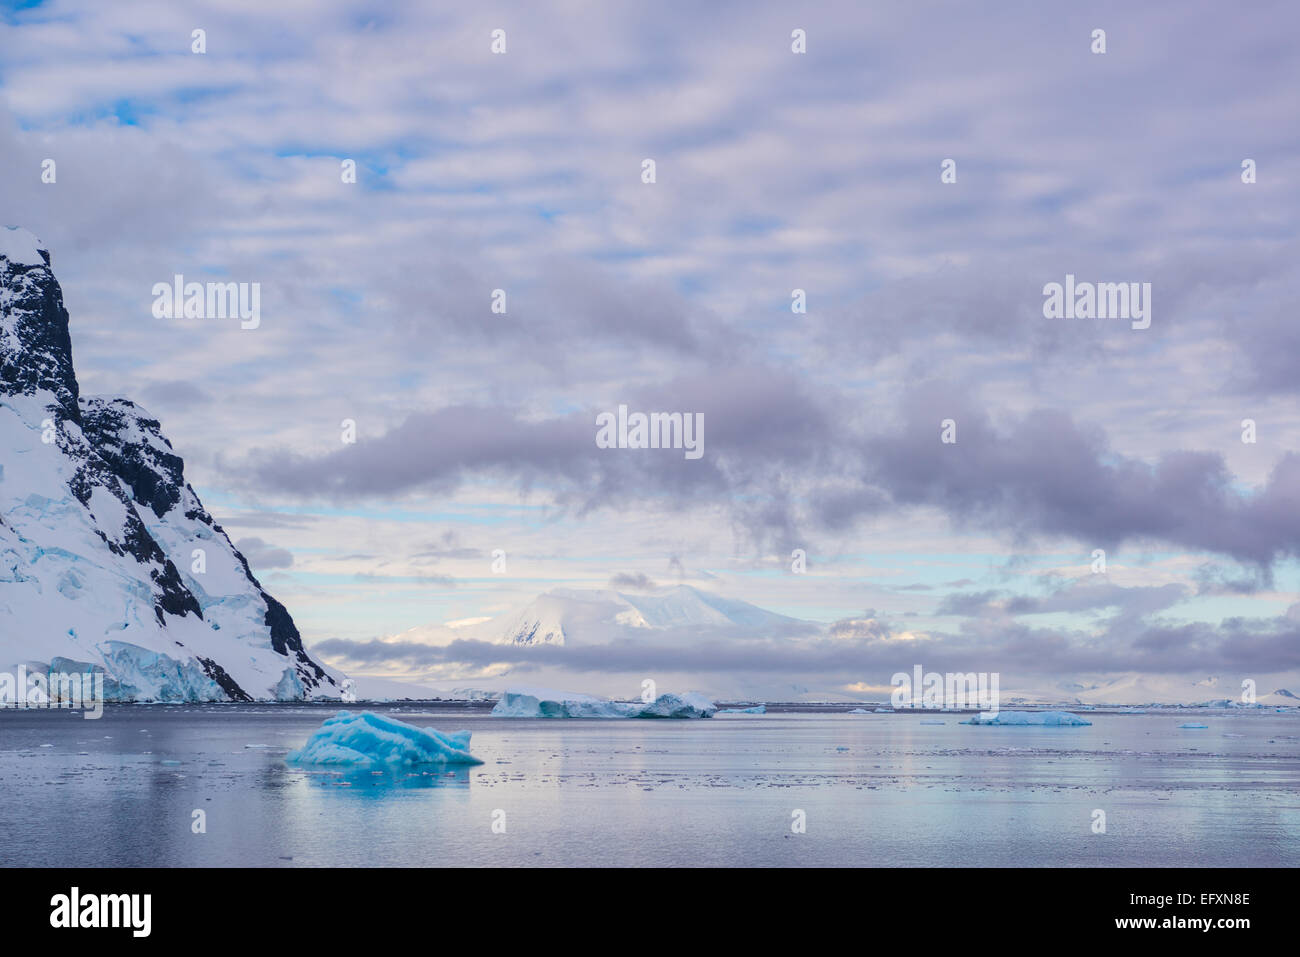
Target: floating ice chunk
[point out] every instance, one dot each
(934, 722)
(366, 738)
(688, 705)
(884, 711)
(545, 703)
(1051, 719)
(1192, 724)
(859, 711)
(758, 709)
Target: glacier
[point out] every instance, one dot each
(1041, 719)
(365, 738)
(547, 703)
(109, 563)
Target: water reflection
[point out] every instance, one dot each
(375, 781)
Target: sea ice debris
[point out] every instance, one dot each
(1050, 719)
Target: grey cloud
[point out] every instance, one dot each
(1238, 646)
(637, 581)
(261, 554)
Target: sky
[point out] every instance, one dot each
(774, 171)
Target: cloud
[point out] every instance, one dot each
(261, 554)
(776, 172)
(632, 581)
(863, 648)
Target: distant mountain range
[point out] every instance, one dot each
(682, 613)
(569, 616)
(566, 616)
(1138, 689)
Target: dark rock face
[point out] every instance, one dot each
(133, 445)
(38, 356)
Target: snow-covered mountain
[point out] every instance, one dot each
(108, 560)
(1136, 689)
(564, 615)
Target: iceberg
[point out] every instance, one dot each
(1049, 719)
(366, 738)
(758, 709)
(688, 705)
(859, 711)
(1192, 724)
(884, 711)
(545, 703)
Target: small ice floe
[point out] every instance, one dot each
(1193, 724)
(1041, 719)
(859, 711)
(757, 709)
(884, 711)
(366, 738)
(934, 722)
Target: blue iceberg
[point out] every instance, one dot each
(688, 705)
(366, 738)
(1193, 725)
(1041, 719)
(757, 709)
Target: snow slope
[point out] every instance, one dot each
(564, 615)
(108, 559)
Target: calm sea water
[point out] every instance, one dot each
(876, 790)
